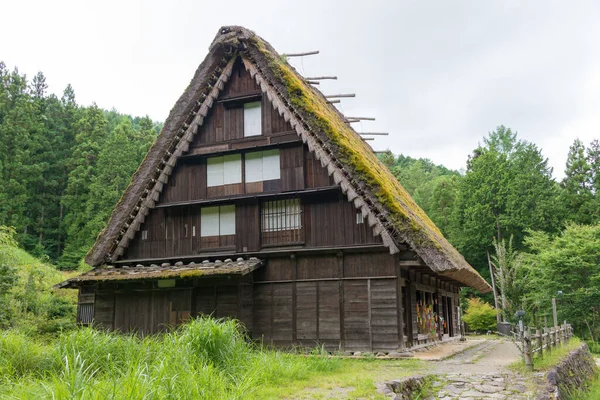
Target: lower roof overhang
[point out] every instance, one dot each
(180, 270)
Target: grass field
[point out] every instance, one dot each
(205, 359)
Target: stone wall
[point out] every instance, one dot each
(574, 372)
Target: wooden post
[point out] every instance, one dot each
(554, 312)
(548, 340)
(540, 342)
(527, 350)
(498, 312)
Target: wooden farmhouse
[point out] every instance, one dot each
(259, 202)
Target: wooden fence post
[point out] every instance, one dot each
(548, 340)
(540, 342)
(527, 350)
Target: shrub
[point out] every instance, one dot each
(480, 316)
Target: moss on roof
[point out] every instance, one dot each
(405, 216)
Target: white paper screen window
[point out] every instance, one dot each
(254, 167)
(232, 169)
(217, 221)
(214, 171)
(360, 219)
(209, 221)
(252, 119)
(262, 166)
(227, 220)
(271, 167)
(224, 170)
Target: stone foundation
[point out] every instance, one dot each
(574, 372)
(403, 389)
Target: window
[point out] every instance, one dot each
(224, 170)
(144, 235)
(85, 313)
(281, 222)
(217, 221)
(281, 215)
(360, 218)
(252, 119)
(262, 166)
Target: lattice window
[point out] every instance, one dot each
(85, 313)
(281, 221)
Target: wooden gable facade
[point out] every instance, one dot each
(250, 223)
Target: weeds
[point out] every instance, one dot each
(205, 359)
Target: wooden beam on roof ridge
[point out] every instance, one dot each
(331, 96)
(334, 101)
(307, 53)
(362, 118)
(374, 133)
(318, 78)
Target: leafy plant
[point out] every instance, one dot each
(480, 316)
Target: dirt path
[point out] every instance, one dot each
(490, 356)
(481, 373)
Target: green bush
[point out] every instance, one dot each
(594, 347)
(480, 316)
(27, 300)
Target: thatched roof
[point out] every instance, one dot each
(366, 182)
(204, 269)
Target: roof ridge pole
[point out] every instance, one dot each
(307, 53)
(318, 78)
(330, 96)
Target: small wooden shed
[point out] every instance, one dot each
(259, 201)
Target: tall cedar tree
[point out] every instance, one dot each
(508, 188)
(578, 193)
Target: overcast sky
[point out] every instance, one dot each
(437, 75)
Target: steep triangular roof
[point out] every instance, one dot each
(366, 182)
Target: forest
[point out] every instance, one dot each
(63, 166)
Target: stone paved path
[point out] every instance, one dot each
(481, 373)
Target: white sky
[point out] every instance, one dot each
(437, 75)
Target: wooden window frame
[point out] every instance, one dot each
(282, 211)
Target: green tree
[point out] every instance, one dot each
(508, 188)
(577, 194)
(117, 161)
(91, 134)
(508, 269)
(8, 274)
(568, 263)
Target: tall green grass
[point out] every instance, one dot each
(205, 359)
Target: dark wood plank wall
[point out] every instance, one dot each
(331, 221)
(328, 220)
(225, 123)
(347, 300)
(353, 301)
(153, 311)
(299, 170)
